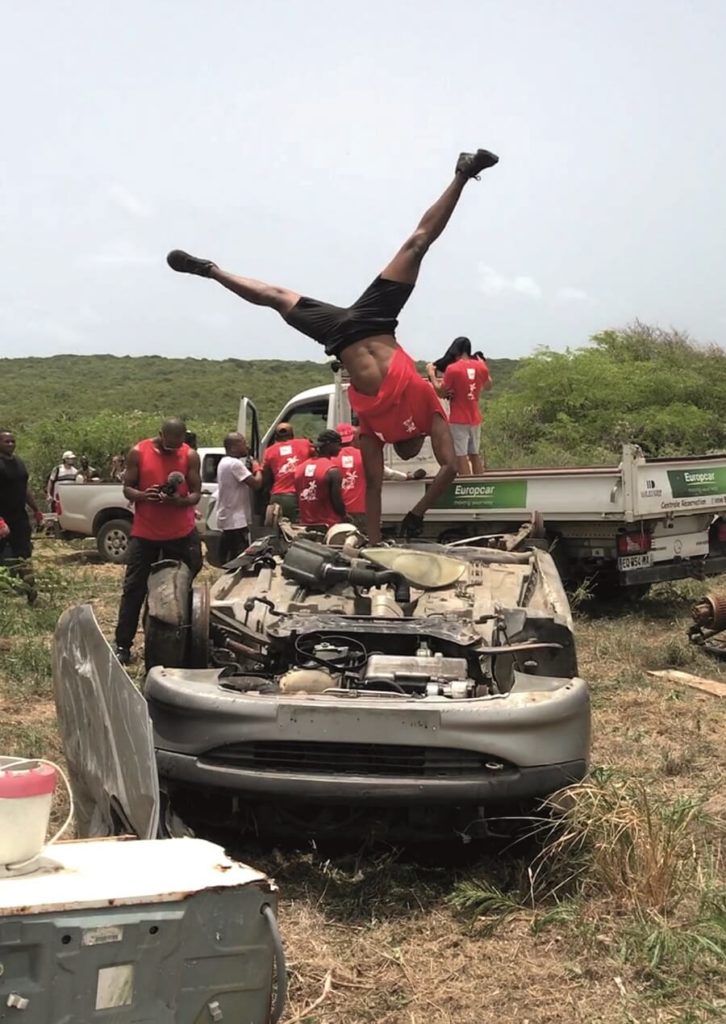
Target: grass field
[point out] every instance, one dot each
(620, 916)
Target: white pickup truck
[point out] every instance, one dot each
(100, 510)
(640, 522)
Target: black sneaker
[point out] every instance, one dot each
(32, 596)
(123, 654)
(472, 164)
(183, 263)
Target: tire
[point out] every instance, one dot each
(112, 540)
(165, 645)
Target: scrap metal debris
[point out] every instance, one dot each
(709, 620)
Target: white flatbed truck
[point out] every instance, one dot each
(643, 521)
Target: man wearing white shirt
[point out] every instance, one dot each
(237, 477)
(64, 473)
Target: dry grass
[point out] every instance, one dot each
(621, 920)
(613, 836)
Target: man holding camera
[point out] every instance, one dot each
(163, 480)
(238, 475)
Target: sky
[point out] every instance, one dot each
(300, 142)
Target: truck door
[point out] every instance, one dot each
(248, 424)
(309, 417)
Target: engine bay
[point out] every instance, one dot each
(294, 615)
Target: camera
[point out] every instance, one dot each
(173, 483)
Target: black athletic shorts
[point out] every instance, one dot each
(337, 327)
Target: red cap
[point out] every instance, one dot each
(20, 781)
(346, 431)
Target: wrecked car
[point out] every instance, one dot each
(319, 682)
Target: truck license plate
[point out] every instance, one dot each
(635, 561)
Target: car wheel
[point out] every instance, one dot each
(164, 644)
(199, 631)
(112, 540)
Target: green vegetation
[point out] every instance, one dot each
(640, 384)
(655, 388)
(99, 405)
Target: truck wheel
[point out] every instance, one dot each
(112, 540)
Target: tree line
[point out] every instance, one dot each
(640, 384)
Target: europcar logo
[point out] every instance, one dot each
(695, 483)
(495, 494)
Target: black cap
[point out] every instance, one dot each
(329, 437)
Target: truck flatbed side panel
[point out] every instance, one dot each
(509, 496)
(680, 486)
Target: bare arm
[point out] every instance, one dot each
(437, 383)
(131, 481)
(443, 446)
(335, 482)
(372, 451)
(254, 480)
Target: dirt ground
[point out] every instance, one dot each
(377, 936)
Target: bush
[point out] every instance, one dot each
(637, 385)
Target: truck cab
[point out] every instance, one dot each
(317, 409)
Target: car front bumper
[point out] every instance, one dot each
(525, 744)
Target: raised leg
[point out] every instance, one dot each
(404, 266)
(256, 292)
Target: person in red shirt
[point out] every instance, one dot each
(350, 461)
(318, 484)
(353, 484)
(393, 403)
(278, 468)
(463, 379)
(163, 481)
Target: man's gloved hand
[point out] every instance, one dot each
(412, 526)
(4, 529)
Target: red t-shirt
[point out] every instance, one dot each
(464, 380)
(155, 520)
(283, 458)
(404, 406)
(313, 493)
(350, 462)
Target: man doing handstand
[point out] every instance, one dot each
(393, 403)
